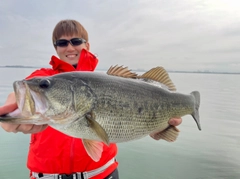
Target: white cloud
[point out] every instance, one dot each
(179, 35)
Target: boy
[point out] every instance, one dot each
(51, 153)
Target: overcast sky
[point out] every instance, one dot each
(176, 34)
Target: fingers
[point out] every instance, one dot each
(175, 121)
(7, 108)
(9, 127)
(24, 128)
(11, 99)
(10, 104)
(32, 129)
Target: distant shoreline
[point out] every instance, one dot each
(227, 73)
(17, 66)
(169, 71)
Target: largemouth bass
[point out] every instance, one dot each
(115, 107)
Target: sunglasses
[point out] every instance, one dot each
(73, 42)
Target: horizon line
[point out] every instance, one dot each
(140, 70)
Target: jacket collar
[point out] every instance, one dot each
(87, 62)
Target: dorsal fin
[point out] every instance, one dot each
(121, 71)
(159, 74)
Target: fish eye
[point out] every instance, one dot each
(44, 83)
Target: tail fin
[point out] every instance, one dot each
(195, 113)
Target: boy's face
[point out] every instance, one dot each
(70, 53)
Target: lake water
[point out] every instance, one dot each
(213, 153)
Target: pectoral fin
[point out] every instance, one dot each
(170, 134)
(93, 148)
(97, 128)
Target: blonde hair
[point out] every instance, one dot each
(69, 27)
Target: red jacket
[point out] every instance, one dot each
(53, 152)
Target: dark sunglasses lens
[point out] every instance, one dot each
(62, 43)
(76, 41)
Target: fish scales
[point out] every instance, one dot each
(128, 109)
(115, 107)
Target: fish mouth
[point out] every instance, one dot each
(25, 101)
(31, 105)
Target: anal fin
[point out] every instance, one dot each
(93, 148)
